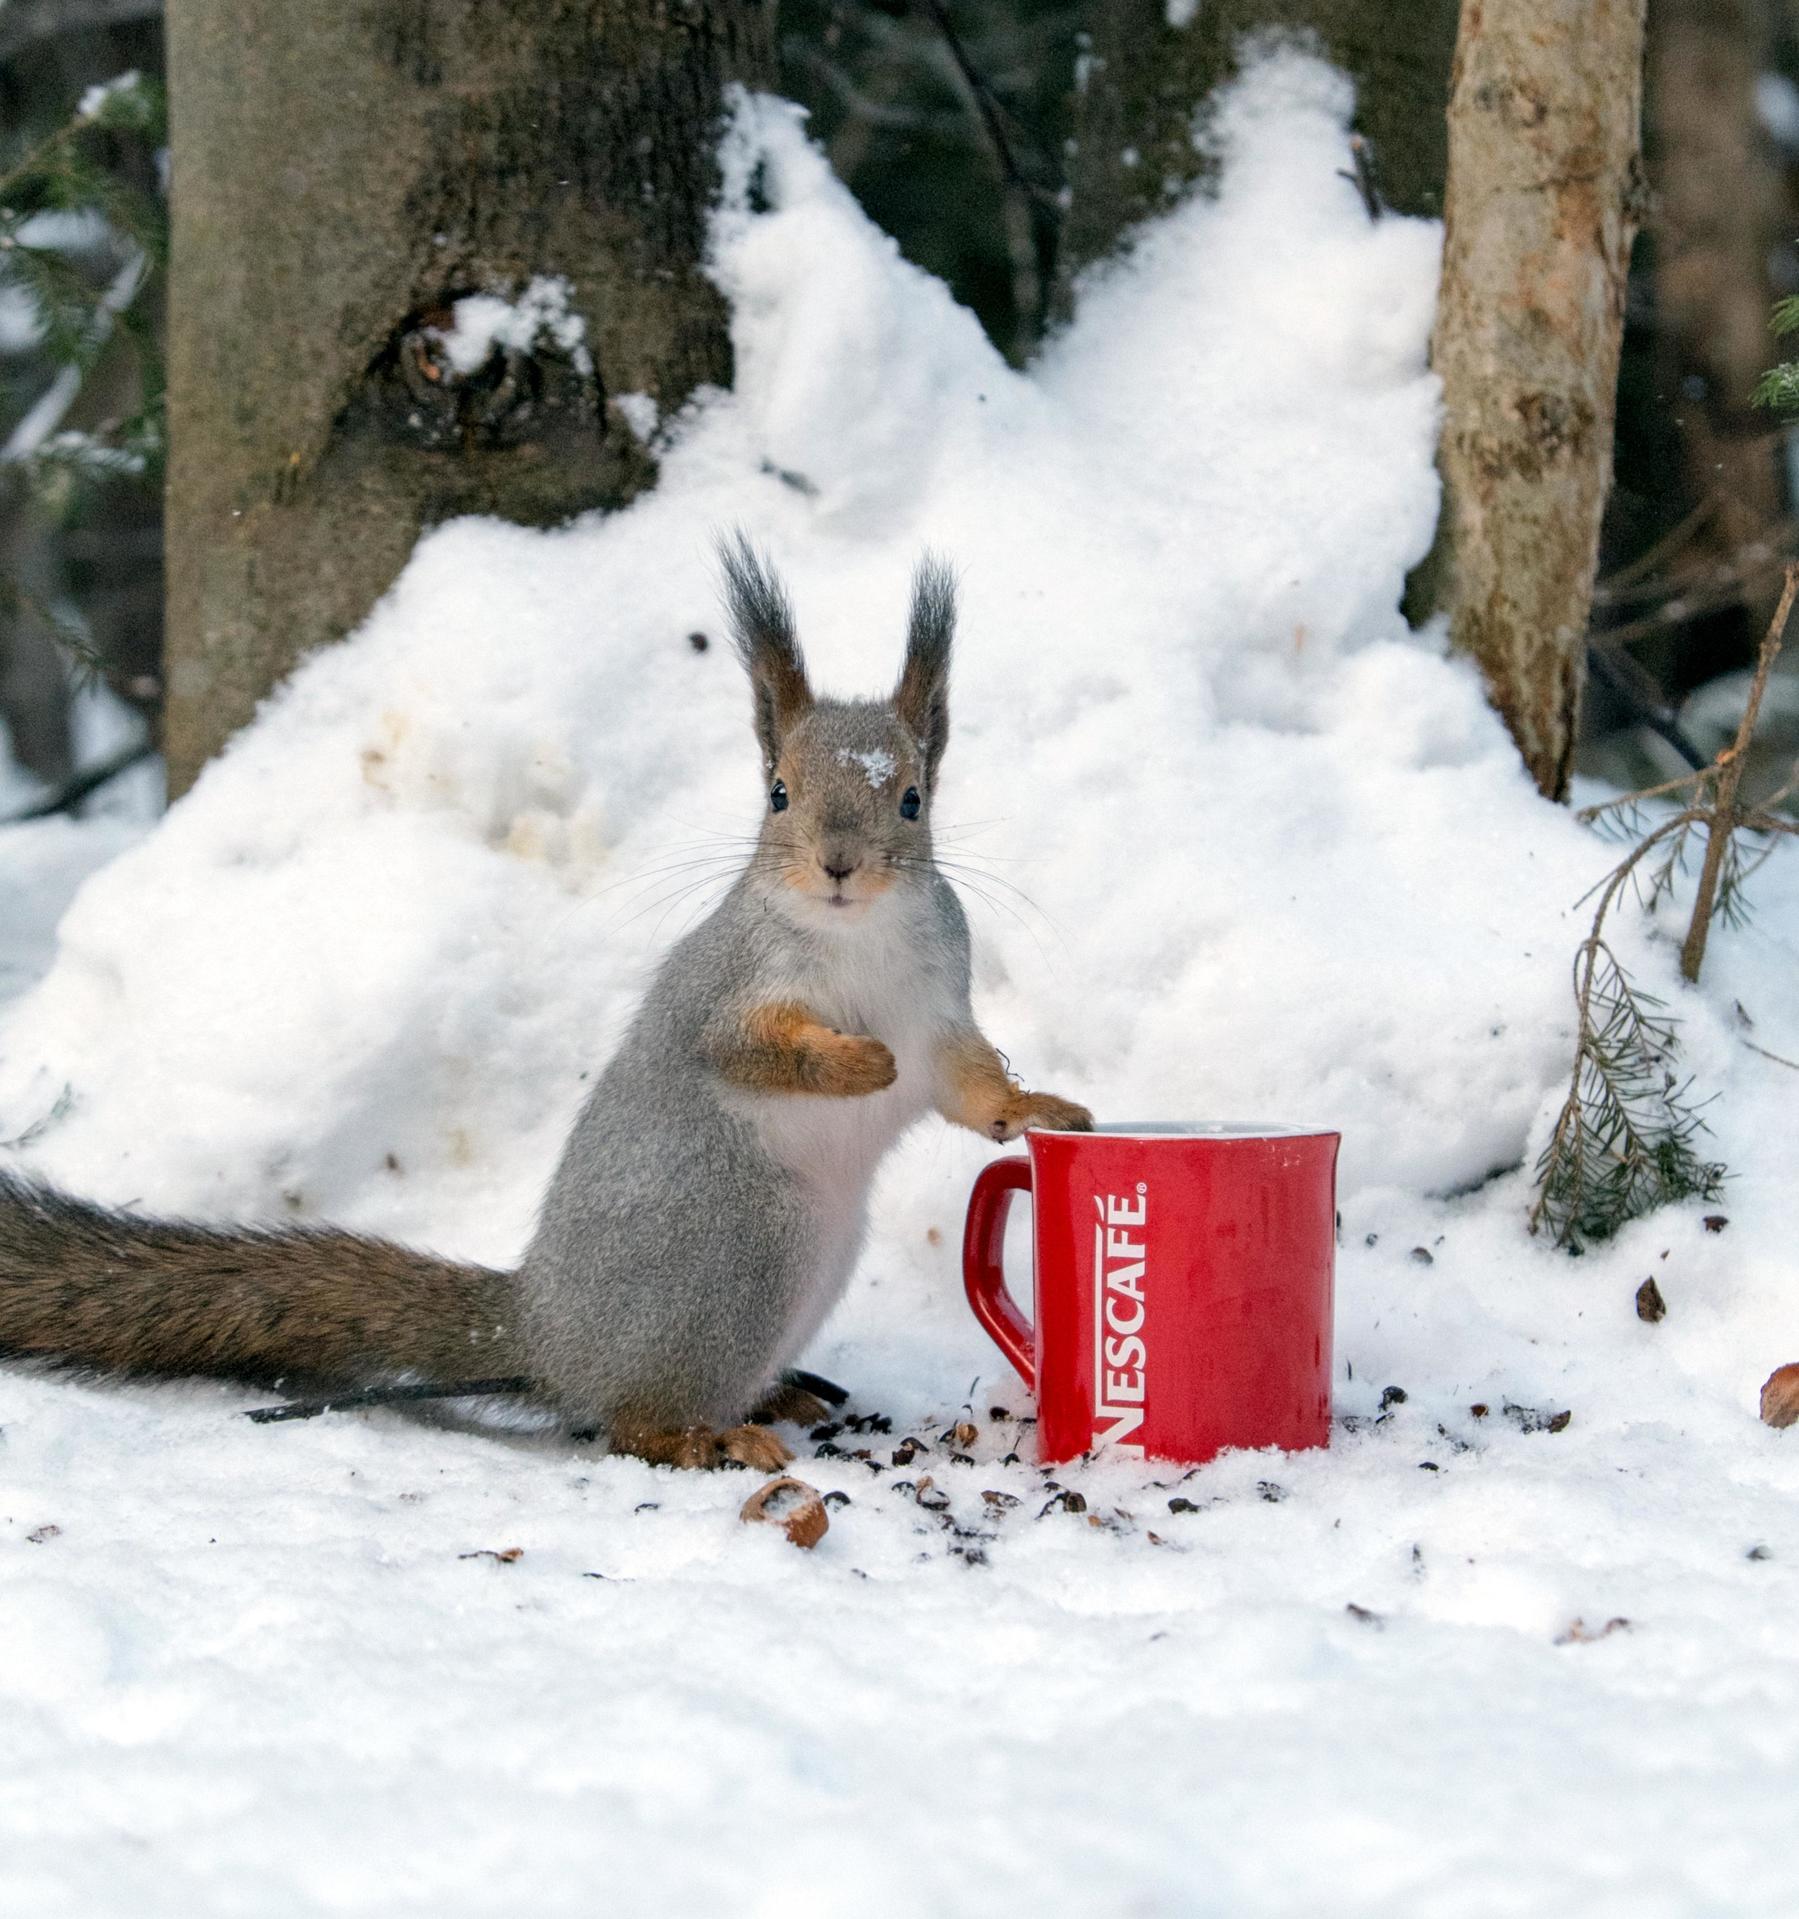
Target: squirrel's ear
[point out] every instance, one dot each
(762, 624)
(922, 696)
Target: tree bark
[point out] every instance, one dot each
(1140, 81)
(343, 172)
(1542, 205)
(1722, 213)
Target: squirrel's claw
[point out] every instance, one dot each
(1041, 1112)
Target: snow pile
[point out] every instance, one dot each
(1235, 843)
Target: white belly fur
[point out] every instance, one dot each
(835, 1146)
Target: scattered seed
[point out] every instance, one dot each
(40, 1535)
(1067, 1500)
(1650, 1304)
(1000, 1502)
(1535, 1419)
(1365, 1615)
(1715, 1222)
(510, 1556)
(1182, 1506)
(1579, 1633)
(1271, 1490)
(1392, 1396)
(930, 1497)
(1420, 1256)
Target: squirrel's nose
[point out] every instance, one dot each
(840, 873)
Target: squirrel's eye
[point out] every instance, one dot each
(909, 803)
(777, 796)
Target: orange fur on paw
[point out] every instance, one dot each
(791, 1403)
(851, 1064)
(754, 1446)
(782, 1048)
(976, 1091)
(692, 1447)
(1042, 1112)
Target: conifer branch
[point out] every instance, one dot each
(1626, 1139)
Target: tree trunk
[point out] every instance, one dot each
(1141, 80)
(1544, 189)
(1722, 214)
(344, 172)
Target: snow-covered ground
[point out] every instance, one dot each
(1235, 842)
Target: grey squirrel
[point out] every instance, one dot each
(712, 1196)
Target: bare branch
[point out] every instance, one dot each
(24, 22)
(1722, 816)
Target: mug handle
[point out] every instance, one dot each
(983, 1263)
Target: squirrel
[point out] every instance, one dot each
(711, 1199)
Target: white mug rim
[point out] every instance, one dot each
(1213, 1132)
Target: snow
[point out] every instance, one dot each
(641, 414)
(96, 100)
(483, 324)
(1777, 107)
(1234, 841)
(878, 767)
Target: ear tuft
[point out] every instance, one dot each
(762, 624)
(922, 697)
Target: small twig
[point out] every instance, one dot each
(1613, 586)
(989, 107)
(1588, 814)
(1684, 609)
(73, 791)
(384, 1396)
(1361, 157)
(1775, 1057)
(1722, 816)
(1621, 675)
(1781, 794)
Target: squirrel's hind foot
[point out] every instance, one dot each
(698, 1448)
(786, 1401)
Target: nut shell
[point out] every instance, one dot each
(793, 1506)
(1780, 1396)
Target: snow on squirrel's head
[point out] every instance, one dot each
(850, 782)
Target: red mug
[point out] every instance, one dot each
(1183, 1286)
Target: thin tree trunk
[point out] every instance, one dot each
(1722, 212)
(1544, 189)
(1141, 79)
(343, 172)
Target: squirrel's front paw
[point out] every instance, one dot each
(1041, 1112)
(850, 1064)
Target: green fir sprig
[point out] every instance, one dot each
(82, 238)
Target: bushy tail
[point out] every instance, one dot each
(109, 1291)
